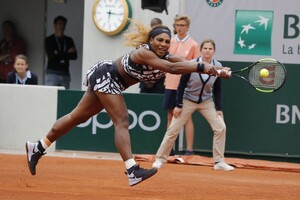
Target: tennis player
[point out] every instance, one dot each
(107, 79)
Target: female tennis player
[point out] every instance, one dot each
(107, 79)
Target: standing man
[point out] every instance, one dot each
(60, 50)
(181, 45)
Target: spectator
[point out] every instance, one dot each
(60, 50)
(181, 45)
(21, 74)
(203, 93)
(158, 85)
(10, 46)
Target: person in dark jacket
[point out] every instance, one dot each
(60, 50)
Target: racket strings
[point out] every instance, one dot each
(273, 81)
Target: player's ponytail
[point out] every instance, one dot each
(137, 35)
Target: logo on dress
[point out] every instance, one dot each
(214, 3)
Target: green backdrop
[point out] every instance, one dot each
(147, 114)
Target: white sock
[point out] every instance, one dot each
(129, 163)
(45, 146)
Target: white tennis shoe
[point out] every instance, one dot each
(33, 156)
(158, 163)
(136, 174)
(223, 166)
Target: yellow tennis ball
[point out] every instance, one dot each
(264, 73)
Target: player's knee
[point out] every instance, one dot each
(122, 123)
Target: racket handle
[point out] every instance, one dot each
(228, 73)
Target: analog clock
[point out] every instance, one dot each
(111, 16)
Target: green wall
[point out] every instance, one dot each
(147, 118)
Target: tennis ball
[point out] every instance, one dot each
(264, 73)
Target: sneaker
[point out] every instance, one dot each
(188, 153)
(223, 166)
(33, 156)
(136, 174)
(172, 152)
(158, 164)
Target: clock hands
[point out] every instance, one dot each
(112, 13)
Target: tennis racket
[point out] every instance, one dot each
(274, 80)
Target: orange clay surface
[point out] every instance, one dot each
(102, 177)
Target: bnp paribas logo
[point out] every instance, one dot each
(253, 32)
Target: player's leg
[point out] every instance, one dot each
(117, 110)
(88, 106)
(207, 109)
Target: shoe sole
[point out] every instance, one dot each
(226, 170)
(28, 163)
(145, 178)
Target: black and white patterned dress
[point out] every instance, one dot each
(104, 76)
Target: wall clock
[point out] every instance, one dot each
(111, 16)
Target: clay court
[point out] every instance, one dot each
(101, 176)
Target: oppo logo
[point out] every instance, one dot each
(136, 121)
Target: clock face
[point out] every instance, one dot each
(111, 16)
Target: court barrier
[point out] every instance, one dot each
(27, 113)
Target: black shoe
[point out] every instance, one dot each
(172, 152)
(32, 156)
(188, 153)
(136, 174)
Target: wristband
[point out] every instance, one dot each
(179, 105)
(200, 67)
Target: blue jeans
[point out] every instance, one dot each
(58, 80)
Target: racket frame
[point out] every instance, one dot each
(234, 73)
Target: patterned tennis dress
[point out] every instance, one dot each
(104, 76)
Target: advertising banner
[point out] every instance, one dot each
(248, 30)
(147, 125)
